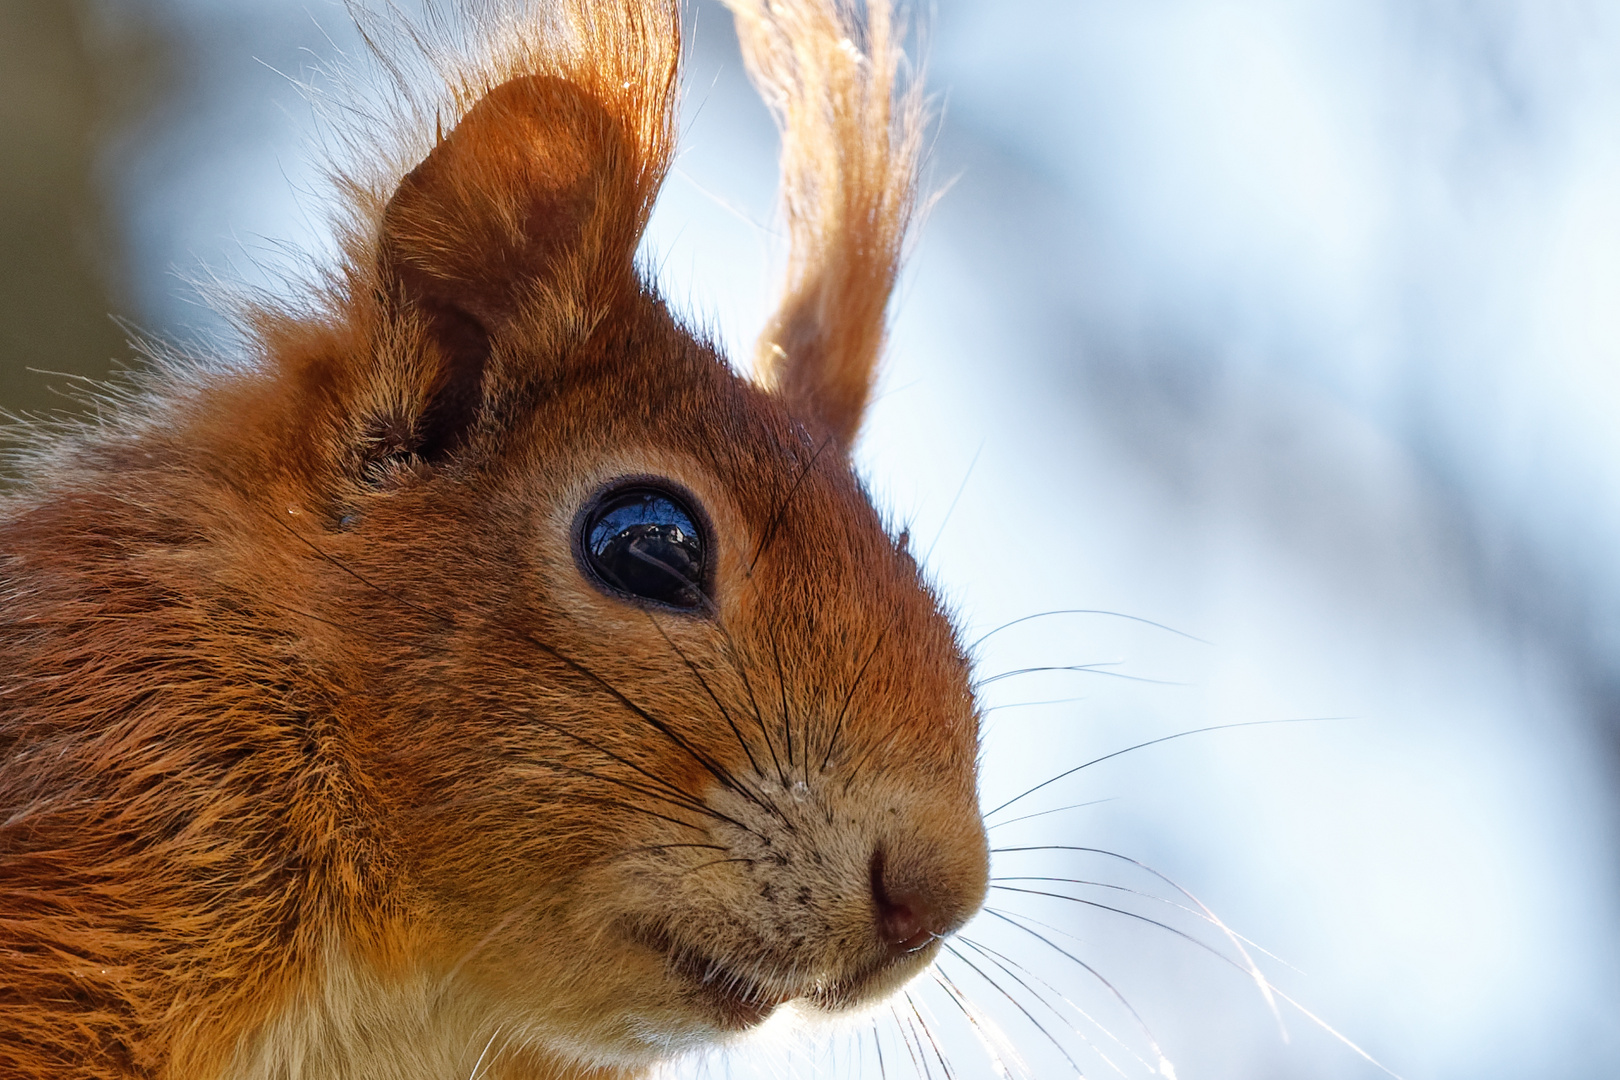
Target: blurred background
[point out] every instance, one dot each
(1289, 326)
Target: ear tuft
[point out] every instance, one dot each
(851, 138)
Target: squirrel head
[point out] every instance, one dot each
(569, 675)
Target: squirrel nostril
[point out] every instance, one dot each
(906, 920)
(907, 924)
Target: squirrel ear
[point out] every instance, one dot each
(850, 147)
(535, 189)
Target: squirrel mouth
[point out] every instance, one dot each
(734, 1000)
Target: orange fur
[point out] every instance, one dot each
(320, 757)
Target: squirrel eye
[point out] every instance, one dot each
(646, 543)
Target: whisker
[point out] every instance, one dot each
(922, 1051)
(1084, 611)
(1088, 669)
(850, 696)
(676, 798)
(706, 689)
(781, 686)
(767, 804)
(926, 1030)
(748, 687)
(1253, 969)
(665, 847)
(1029, 704)
(1040, 1027)
(478, 1066)
(1010, 966)
(1156, 742)
(1128, 914)
(357, 576)
(719, 772)
(714, 611)
(1145, 895)
(960, 488)
(776, 518)
(682, 802)
(875, 749)
(1336, 1034)
(713, 768)
(900, 1025)
(662, 785)
(1056, 810)
(1093, 972)
(1323, 1025)
(985, 1030)
(599, 801)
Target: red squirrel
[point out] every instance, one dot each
(478, 674)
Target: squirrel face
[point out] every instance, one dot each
(676, 819)
(483, 654)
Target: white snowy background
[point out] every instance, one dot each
(1293, 325)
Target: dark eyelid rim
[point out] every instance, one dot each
(677, 492)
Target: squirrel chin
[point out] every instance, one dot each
(726, 993)
(721, 993)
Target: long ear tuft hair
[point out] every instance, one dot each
(510, 167)
(851, 140)
(623, 54)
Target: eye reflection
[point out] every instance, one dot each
(645, 542)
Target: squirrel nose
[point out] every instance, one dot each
(907, 919)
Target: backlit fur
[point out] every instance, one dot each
(851, 137)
